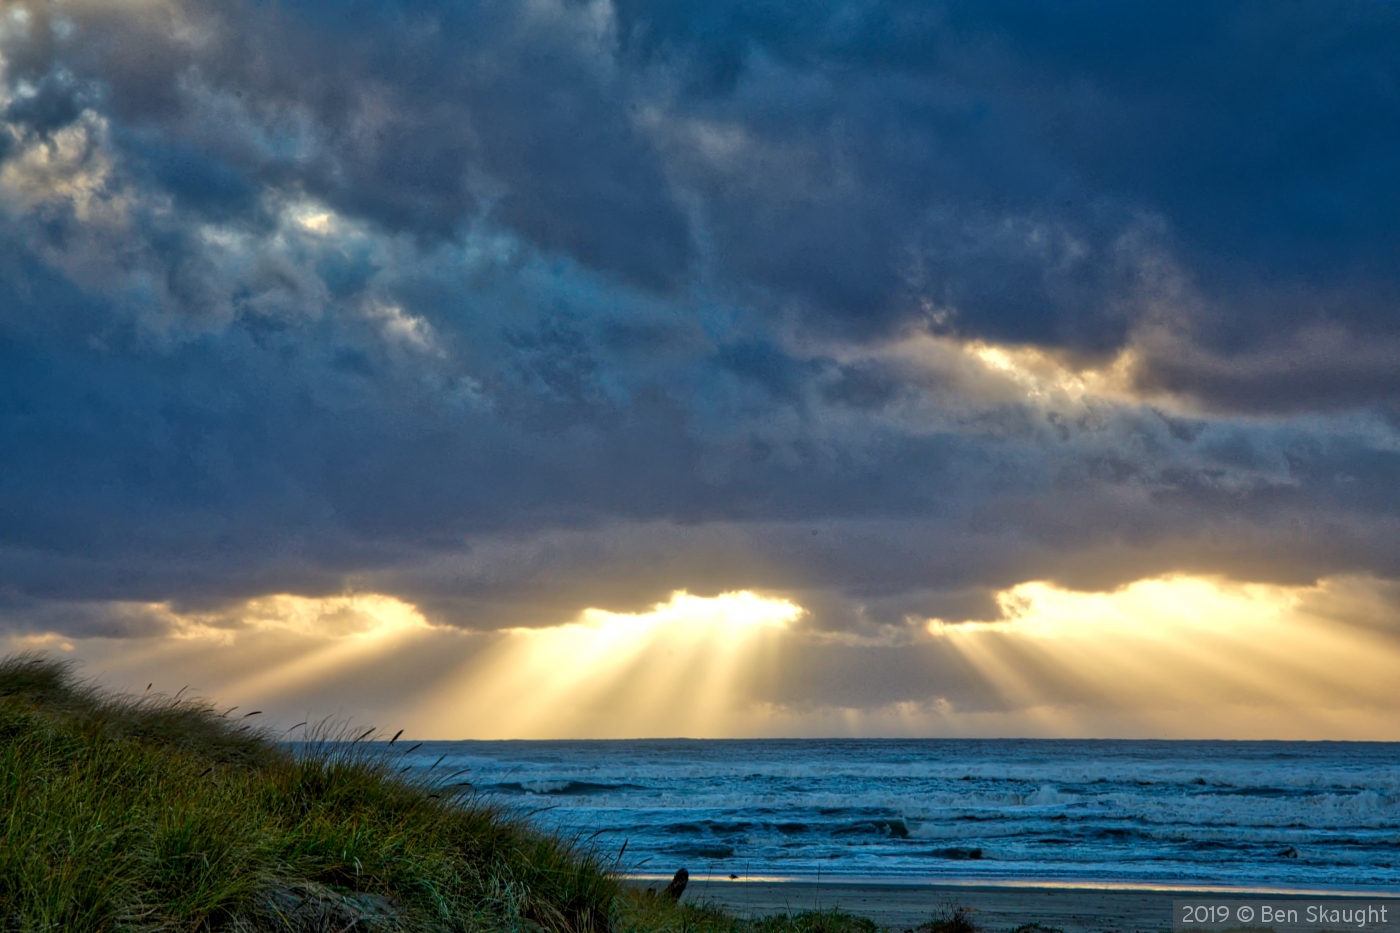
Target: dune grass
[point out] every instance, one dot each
(161, 814)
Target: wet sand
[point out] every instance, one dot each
(997, 908)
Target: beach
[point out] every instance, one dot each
(996, 907)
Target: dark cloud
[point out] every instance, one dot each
(510, 310)
(1320, 369)
(79, 619)
(998, 159)
(411, 117)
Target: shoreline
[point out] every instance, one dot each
(997, 907)
(970, 881)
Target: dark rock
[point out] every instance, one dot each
(957, 853)
(676, 888)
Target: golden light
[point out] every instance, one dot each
(277, 649)
(357, 614)
(669, 671)
(1173, 657)
(320, 222)
(1046, 378)
(998, 373)
(66, 165)
(1186, 657)
(321, 637)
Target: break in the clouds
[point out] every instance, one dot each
(507, 311)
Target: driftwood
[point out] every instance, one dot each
(676, 888)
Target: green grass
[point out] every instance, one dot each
(160, 814)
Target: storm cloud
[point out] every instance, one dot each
(507, 310)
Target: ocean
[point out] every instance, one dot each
(1286, 815)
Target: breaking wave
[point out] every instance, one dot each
(1243, 813)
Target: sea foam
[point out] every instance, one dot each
(1276, 814)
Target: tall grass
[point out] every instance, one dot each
(157, 814)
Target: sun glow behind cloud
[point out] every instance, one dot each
(992, 373)
(1187, 656)
(669, 671)
(1169, 657)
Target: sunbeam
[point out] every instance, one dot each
(1187, 656)
(1168, 657)
(669, 671)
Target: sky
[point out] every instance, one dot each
(609, 368)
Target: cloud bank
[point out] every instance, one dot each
(507, 311)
